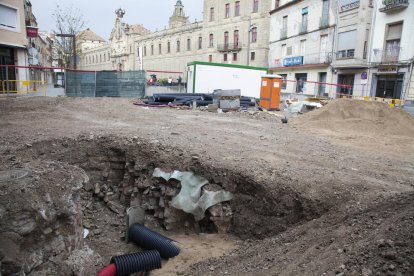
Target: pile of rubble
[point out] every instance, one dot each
(123, 184)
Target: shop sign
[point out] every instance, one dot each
(31, 31)
(388, 70)
(292, 61)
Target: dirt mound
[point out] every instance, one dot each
(350, 116)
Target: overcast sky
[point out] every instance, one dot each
(100, 14)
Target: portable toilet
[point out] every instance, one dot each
(270, 92)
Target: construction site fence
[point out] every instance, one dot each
(22, 87)
(105, 84)
(25, 80)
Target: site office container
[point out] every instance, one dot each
(205, 77)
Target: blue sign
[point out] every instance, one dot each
(293, 61)
(364, 75)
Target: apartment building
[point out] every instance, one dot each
(13, 40)
(350, 60)
(301, 45)
(392, 50)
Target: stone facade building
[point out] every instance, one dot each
(234, 32)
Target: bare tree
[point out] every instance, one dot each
(68, 20)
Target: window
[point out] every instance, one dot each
(284, 50)
(302, 47)
(178, 46)
(277, 4)
(9, 18)
(93, 59)
(234, 56)
(168, 47)
(283, 31)
(152, 50)
(138, 52)
(225, 57)
(145, 51)
(211, 40)
(255, 5)
(226, 39)
(325, 13)
(237, 8)
(100, 58)
(188, 44)
(159, 49)
(236, 39)
(210, 58)
(289, 51)
(324, 58)
(227, 11)
(284, 82)
(252, 55)
(254, 35)
(200, 42)
(211, 14)
(304, 24)
(346, 44)
(104, 57)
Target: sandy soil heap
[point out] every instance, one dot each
(345, 115)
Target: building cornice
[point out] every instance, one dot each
(291, 3)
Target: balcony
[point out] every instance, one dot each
(388, 56)
(393, 5)
(347, 5)
(324, 22)
(229, 47)
(283, 33)
(345, 54)
(303, 27)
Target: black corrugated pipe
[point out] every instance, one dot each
(137, 262)
(151, 240)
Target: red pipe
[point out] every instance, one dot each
(110, 270)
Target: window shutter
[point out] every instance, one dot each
(347, 40)
(394, 31)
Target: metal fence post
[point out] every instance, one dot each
(7, 80)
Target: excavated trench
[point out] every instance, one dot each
(113, 174)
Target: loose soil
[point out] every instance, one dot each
(325, 194)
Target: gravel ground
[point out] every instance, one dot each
(353, 204)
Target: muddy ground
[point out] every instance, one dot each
(307, 201)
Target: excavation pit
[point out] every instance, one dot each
(79, 191)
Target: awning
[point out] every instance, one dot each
(13, 46)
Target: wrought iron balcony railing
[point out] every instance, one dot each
(389, 56)
(349, 5)
(393, 5)
(229, 47)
